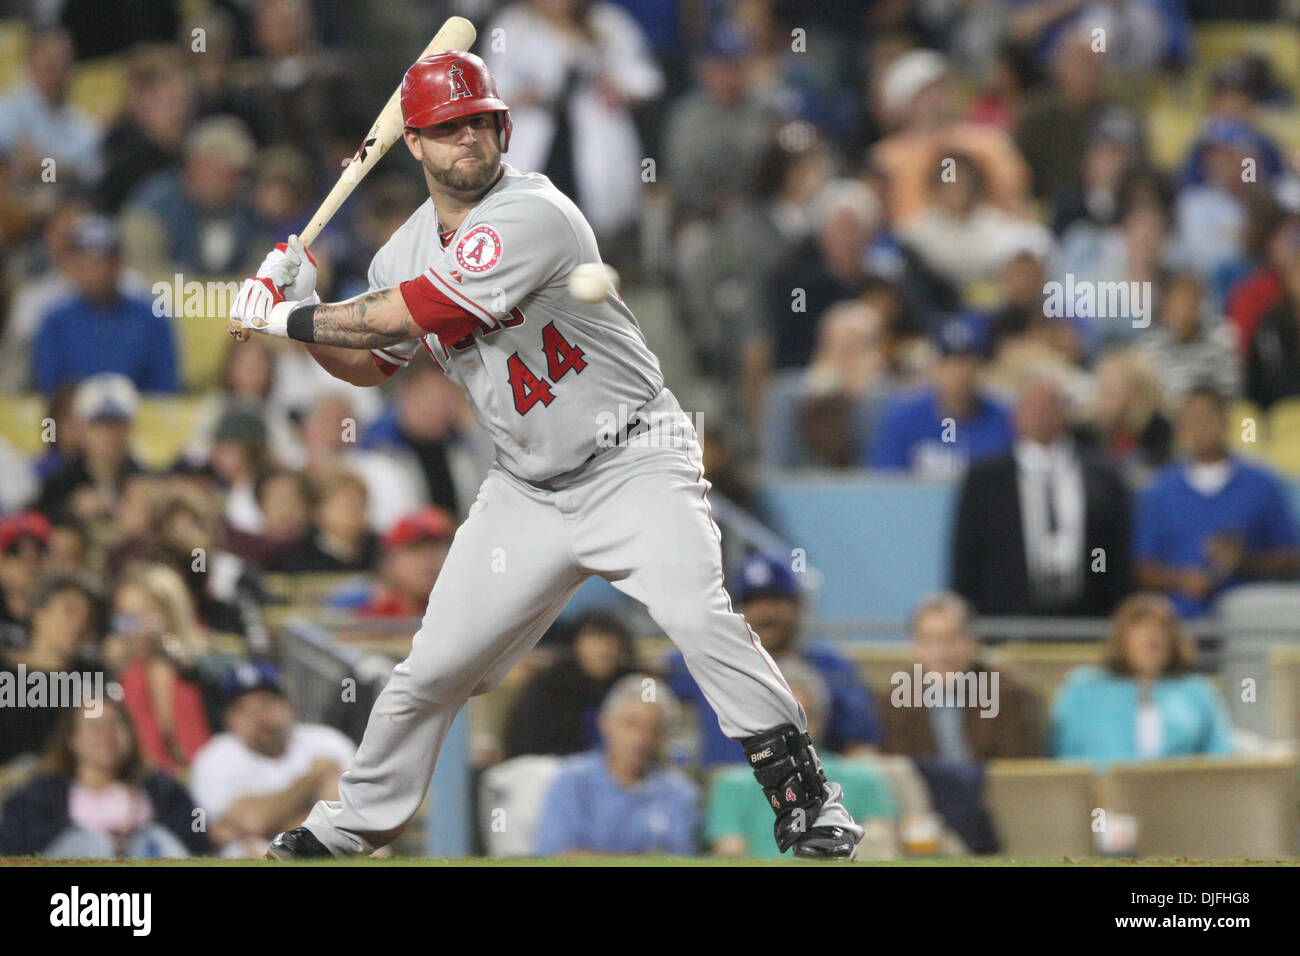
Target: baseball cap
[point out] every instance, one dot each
(225, 139)
(248, 676)
(1230, 133)
(107, 396)
(727, 42)
(766, 575)
(427, 524)
(23, 524)
(907, 76)
(1026, 239)
(95, 234)
(966, 333)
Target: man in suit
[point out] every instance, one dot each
(1045, 529)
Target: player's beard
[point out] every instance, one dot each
(467, 177)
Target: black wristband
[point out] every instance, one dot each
(301, 324)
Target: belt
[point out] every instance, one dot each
(636, 423)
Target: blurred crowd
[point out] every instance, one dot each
(950, 240)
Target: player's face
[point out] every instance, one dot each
(460, 156)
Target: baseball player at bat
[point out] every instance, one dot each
(477, 277)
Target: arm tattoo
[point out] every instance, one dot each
(365, 322)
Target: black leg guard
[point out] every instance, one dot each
(787, 768)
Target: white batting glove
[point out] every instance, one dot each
(262, 307)
(292, 267)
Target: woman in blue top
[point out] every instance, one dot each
(1144, 702)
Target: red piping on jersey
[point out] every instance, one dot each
(753, 638)
(434, 312)
(388, 362)
(474, 307)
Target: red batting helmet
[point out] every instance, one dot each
(449, 85)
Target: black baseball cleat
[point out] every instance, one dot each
(827, 843)
(297, 844)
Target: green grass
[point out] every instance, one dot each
(659, 861)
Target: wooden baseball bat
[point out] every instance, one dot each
(456, 34)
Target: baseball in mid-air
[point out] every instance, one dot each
(593, 282)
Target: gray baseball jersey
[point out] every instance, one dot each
(544, 371)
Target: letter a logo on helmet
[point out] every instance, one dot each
(447, 86)
(457, 78)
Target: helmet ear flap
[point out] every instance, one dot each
(503, 129)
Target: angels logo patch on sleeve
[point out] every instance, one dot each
(479, 250)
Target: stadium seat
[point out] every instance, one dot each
(13, 44)
(20, 425)
(1171, 127)
(878, 662)
(1281, 125)
(1284, 436)
(1218, 42)
(164, 427)
(202, 343)
(512, 792)
(489, 712)
(1283, 691)
(1246, 421)
(99, 87)
(1208, 808)
(1041, 807)
(306, 592)
(1042, 667)
(1257, 619)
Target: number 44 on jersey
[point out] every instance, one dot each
(561, 359)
